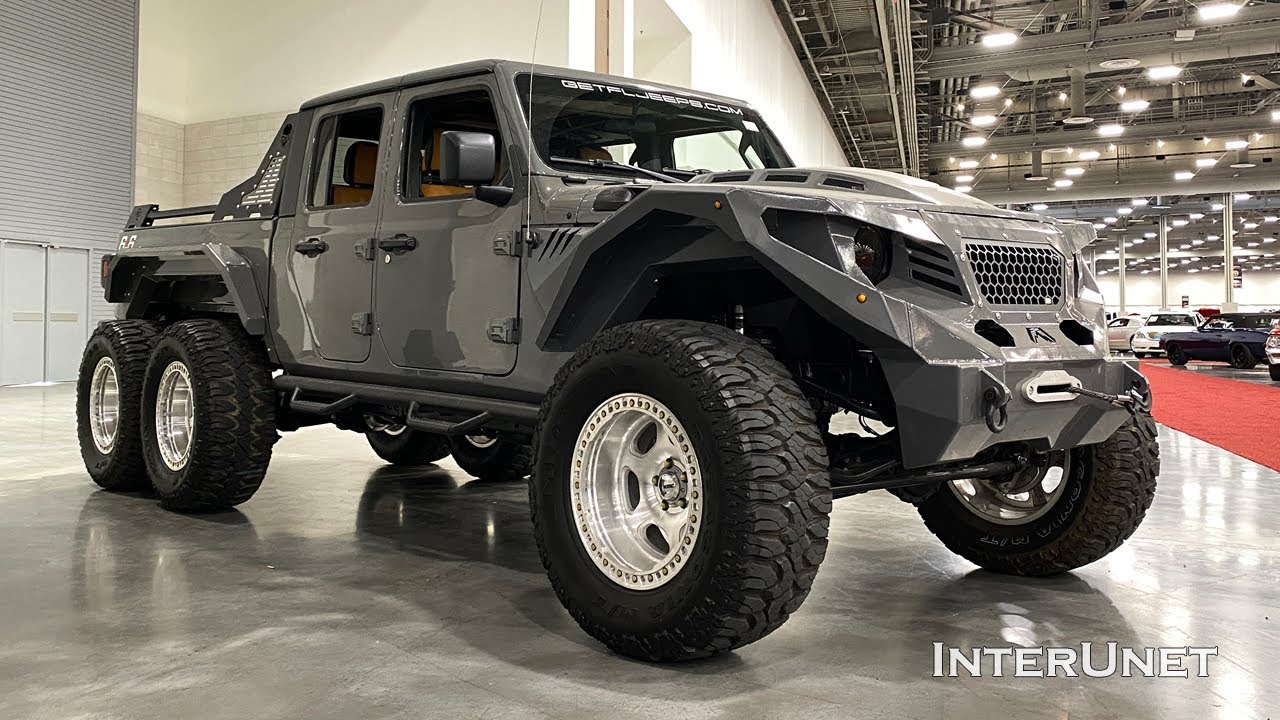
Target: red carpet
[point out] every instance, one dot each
(1237, 416)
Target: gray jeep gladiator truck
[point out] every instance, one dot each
(628, 293)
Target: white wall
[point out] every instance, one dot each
(214, 60)
(741, 50)
(1206, 289)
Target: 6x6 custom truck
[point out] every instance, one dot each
(630, 294)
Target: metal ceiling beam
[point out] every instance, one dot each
(1056, 52)
(1259, 182)
(1134, 134)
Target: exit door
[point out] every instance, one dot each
(44, 305)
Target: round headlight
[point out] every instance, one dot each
(872, 252)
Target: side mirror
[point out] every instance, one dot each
(467, 158)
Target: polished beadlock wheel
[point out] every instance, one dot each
(637, 491)
(104, 405)
(175, 415)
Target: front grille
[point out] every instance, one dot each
(1017, 274)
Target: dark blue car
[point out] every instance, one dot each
(1236, 338)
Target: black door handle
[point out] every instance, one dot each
(311, 247)
(399, 244)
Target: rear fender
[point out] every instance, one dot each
(134, 279)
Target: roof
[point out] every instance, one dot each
(507, 67)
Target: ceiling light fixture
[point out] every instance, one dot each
(1088, 155)
(963, 189)
(982, 92)
(1237, 144)
(1270, 219)
(968, 164)
(1251, 226)
(1242, 196)
(1039, 207)
(1124, 210)
(983, 120)
(1206, 162)
(1138, 202)
(999, 39)
(1196, 216)
(1218, 11)
(1110, 130)
(1073, 171)
(1217, 207)
(964, 179)
(1149, 235)
(1134, 106)
(1164, 72)
(1275, 116)
(974, 141)
(1064, 182)
(1179, 223)
(1183, 175)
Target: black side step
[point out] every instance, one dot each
(319, 408)
(350, 393)
(444, 427)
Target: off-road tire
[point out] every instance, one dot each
(503, 461)
(128, 343)
(1274, 370)
(1177, 356)
(1242, 357)
(765, 477)
(408, 447)
(234, 427)
(1109, 488)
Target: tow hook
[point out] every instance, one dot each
(1136, 399)
(995, 407)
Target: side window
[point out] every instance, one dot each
(1119, 322)
(429, 119)
(345, 158)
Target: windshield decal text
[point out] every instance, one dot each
(646, 95)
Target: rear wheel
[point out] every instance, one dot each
(680, 495)
(1242, 357)
(489, 458)
(1078, 507)
(400, 445)
(208, 416)
(108, 398)
(1177, 356)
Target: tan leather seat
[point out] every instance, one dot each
(587, 152)
(358, 172)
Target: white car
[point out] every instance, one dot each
(1145, 341)
(1121, 329)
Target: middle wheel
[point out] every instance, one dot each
(680, 493)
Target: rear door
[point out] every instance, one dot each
(330, 265)
(446, 294)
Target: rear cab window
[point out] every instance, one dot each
(345, 158)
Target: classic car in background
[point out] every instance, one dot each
(1121, 329)
(1145, 341)
(1236, 338)
(1273, 353)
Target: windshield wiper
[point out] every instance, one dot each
(615, 166)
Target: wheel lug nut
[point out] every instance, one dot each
(684, 503)
(666, 505)
(667, 463)
(655, 481)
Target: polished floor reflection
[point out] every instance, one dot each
(348, 589)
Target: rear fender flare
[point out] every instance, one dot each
(173, 264)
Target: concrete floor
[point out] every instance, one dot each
(347, 589)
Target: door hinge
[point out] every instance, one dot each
(362, 323)
(514, 242)
(367, 249)
(506, 330)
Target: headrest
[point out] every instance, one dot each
(589, 152)
(361, 165)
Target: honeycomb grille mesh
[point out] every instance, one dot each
(1017, 274)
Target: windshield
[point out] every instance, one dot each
(576, 123)
(1180, 320)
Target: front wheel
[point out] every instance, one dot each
(490, 458)
(1177, 356)
(400, 445)
(1072, 510)
(208, 416)
(680, 494)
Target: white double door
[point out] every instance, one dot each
(44, 311)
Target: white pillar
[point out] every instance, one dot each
(1228, 250)
(582, 34)
(1120, 279)
(1163, 230)
(622, 37)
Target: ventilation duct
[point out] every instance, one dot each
(1037, 167)
(1077, 116)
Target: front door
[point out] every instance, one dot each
(445, 299)
(328, 265)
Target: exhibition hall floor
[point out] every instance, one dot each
(349, 589)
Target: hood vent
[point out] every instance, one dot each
(844, 183)
(729, 177)
(787, 177)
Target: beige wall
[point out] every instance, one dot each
(158, 163)
(184, 165)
